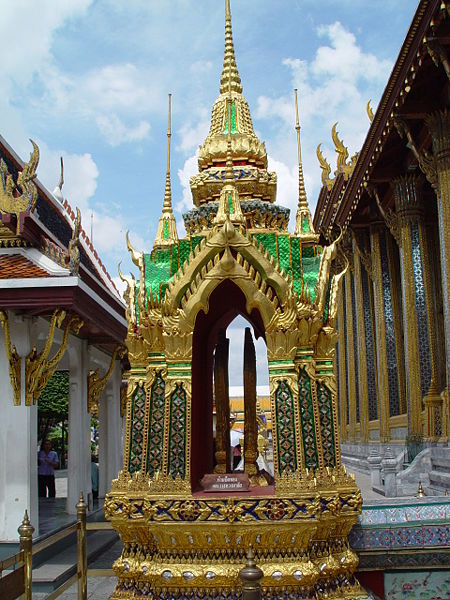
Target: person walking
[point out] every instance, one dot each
(47, 462)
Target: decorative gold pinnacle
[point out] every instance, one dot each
(229, 203)
(304, 227)
(230, 72)
(420, 491)
(166, 234)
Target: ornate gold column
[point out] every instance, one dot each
(380, 327)
(361, 345)
(407, 194)
(351, 380)
(222, 402)
(438, 172)
(342, 367)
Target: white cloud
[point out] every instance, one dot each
(27, 29)
(235, 333)
(190, 168)
(287, 184)
(115, 132)
(344, 60)
(336, 84)
(191, 136)
(120, 285)
(80, 174)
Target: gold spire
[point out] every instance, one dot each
(167, 205)
(167, 228)
(229, 72)
(229, 203)
(304, 227)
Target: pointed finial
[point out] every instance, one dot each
(420, 491)
(57, 192)
(369, 111)
(166, 234)
(92, 227)
(229, 62)
(304, 227)
(167, 206)
(301, 183)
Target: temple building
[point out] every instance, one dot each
(186, 519)
(391, 203)
(59, 310)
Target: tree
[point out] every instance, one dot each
(53, 403)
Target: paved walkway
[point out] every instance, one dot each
(99, 588)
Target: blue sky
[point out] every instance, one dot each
(89, 79)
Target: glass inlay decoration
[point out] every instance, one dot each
(286, 446)
(370, 347)
(338, 375)
(391, 350)
(177, 432)
(355, 341)
(307, 419)
(326, 424)
(344, 307)
(156, 425)
(137, 430)
(421, 309)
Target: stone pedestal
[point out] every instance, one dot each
(389, 464)
(374, 461)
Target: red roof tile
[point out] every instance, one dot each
(16, 266)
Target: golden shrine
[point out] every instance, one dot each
(237, 258)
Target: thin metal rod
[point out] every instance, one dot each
(81, 549)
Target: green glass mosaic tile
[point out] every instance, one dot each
(284, 254)
(156, 425)
(286, 445)
(177, 437)
(324, 398)
(233, 120)
(137, 430)
(307, 420)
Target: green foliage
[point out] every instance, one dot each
(53, 403)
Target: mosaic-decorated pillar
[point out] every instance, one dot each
(352, 390)
(439, 126)
(397, 404)
(408, 203)
(176, 459)
(287, 442)
(379, 285)
(309, 409)
(155, 424)
(136, 419)
(328, 434)
(360, 334)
